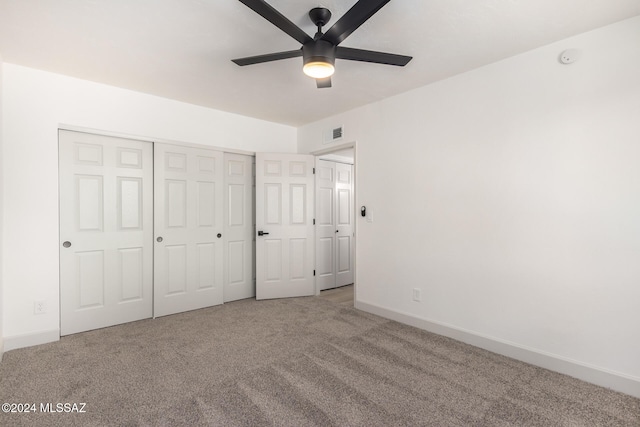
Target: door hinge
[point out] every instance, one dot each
(314, 272)
(314, 221)
(314, 171)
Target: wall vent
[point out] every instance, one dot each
(333, 135)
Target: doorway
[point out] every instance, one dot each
(336, 217)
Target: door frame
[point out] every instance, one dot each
(333, 149)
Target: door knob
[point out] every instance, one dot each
(262, 233)
(159, 239)
(337, 231)
(67, 244)
(219, 235)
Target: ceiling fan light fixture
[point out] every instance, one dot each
(318, 69)
(318, 57)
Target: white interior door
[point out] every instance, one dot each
(188, 255)
(284, 222)
(344, 224)
(334, 224)
(325, 224)
(239, 226)
(106, 231)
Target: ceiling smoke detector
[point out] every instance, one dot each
(570, 56)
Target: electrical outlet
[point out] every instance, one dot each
(39, 307)
(417, 294)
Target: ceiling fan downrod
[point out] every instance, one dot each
(320, 16)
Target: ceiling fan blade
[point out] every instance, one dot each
(372, 56)
(350, 21)
(276, 18)
(322, 83)
(250, 60)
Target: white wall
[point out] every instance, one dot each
(35, 104)
(510, 195)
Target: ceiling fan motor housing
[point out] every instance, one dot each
(319, 51)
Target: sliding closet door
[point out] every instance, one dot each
(188, 255)
(239, 226)
(106, 231)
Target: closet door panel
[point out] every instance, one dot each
(188, 189)
(106, 231)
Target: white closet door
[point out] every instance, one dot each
(239, 179)
(106, 226)
(344, 224)
(325, 224)
(284, 220)
(188, 255)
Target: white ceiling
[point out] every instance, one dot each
(182, 49)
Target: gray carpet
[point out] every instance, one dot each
(293, 362)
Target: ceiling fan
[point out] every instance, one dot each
(320, 52)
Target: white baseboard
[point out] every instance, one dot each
(28, 340)
(592, 374)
